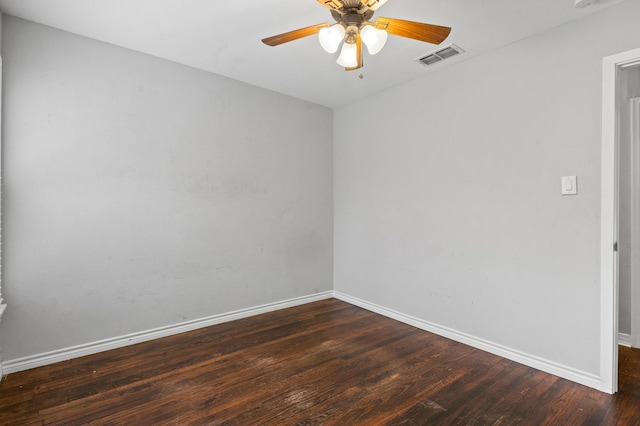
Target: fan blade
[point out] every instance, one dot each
(358, 54)
(331, 4)
(416, 30)
(294, 35)
(373, 4)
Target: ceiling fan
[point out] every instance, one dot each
(354, 27)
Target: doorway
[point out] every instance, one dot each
(611, 207)
(634, 281)
(628, 205)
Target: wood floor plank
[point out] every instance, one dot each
(311, 381)
(116, 372)
(325, 363)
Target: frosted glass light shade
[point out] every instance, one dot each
(348, 56)
(331, 37)
(373, 38)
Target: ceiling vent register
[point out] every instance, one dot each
(440, 55)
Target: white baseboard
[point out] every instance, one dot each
(624, 339)
(538, 363)
(39, 360)
(581, 377)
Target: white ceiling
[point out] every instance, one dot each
(224, 36)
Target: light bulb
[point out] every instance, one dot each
(373, 38)
(348, 56)
(330, 37)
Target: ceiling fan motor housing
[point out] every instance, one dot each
(352, 19)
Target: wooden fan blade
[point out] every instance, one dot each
(294, 35)
(372, 4)
(331, 4)
(416, 30)
(358, 55)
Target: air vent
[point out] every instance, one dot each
(440, 55)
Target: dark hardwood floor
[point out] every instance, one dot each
(323, 363)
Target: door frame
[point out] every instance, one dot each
(611, 66)
(635, 222)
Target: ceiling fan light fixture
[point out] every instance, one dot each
(331, 37)
(373, 38)
(348, 55)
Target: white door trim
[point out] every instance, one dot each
(611, 66)
(635, 222)
(2, 305)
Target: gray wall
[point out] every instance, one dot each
(141, 193)
(448, 208)
(629, 89)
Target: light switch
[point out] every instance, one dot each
(569, 185)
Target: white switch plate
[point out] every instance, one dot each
(569, 185)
